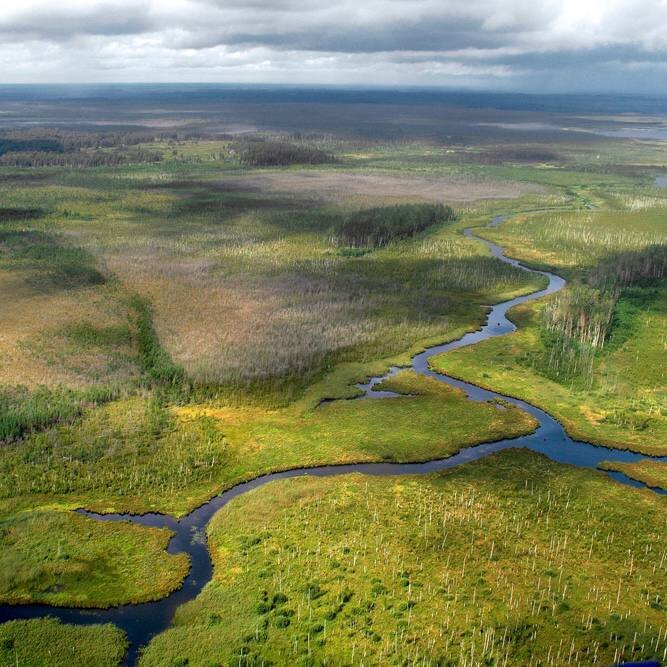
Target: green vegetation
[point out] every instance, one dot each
(576, 243)
(176, 318)
(620, 402)
(51, 264)
(575, 326)
(377, 227)
(63, 558)
(501, 561)
(579, 322)
(23, 411)
(23, 145)
(652, 473)
(591, 355)
(280, 154)
(154, 360)
(136, 456)
(48, 642)
(245, 291)
(42, 147)
(14, 213)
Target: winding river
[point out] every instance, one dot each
(142, 622)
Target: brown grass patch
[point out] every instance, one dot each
(31, 320)
(334, 185)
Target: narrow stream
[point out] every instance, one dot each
(142, 622)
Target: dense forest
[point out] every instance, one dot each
(47, 147)
(280, 154)
(376, 227)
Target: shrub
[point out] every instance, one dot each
(154, 360)
(15, 213)
(23, 411)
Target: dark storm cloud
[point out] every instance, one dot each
(455, 34)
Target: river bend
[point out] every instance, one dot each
(142, 622)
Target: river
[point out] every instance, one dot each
(142, 622)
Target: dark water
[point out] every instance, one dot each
(155, 94)
(143, 621)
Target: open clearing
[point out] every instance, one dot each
(336, 185)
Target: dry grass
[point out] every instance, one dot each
(33, 350)
(241, 311)
(334, 185)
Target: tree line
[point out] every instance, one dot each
(98, 158)
(264, 153)
(579, 322)
(43, 147)
(376, 227)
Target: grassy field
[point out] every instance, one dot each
(573, 243)
(623, 408)
(147, 457)
(503, 561)
(171, 328)
(605, 384)
(652, 473)
(247, 289)
(48, 642)
(62, 558)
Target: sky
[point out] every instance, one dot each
(523, 45)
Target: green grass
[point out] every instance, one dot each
(652, 473)
(612, 392)
(624, 406)
(155, 362)
(65, 559)
(501, 561)
(573, 243)
(195, 321)
(23, 411)
(136, 455)
(41, 642)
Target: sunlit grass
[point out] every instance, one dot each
(62, 558)
(46, 641)
(502, 561)
(135, 455)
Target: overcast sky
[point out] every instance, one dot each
(555, 45)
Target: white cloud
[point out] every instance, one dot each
(398, 41)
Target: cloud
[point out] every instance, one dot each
(48, 21)
(492, 43)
